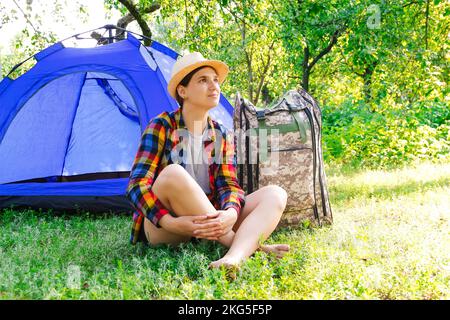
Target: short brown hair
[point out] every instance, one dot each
(185, 82)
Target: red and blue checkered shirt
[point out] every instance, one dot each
(156, 151)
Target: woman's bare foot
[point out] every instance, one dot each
(279, 250)
(226, 262)
(231, 266)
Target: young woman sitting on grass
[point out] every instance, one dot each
(198, 194)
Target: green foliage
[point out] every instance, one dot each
(355, 135)
(245, 34)
(383, 83)
(25, 46)
(33, 37)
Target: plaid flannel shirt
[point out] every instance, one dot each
(156, 151)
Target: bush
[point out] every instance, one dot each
(356, 135)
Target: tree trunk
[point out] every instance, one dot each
(367, 78)
(305, 69)
(427, 17)
(123, 23)
(264, 73)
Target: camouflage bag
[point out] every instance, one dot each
(281, 145)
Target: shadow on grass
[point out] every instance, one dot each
(13, 211)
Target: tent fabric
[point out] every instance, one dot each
(40, 130)
(105, 187)
(81, 112)
(69, 204)
(101, 132)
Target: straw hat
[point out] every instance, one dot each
(190, 62)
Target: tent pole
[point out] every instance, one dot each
(110, 39)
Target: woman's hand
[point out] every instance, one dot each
(223, 220)
(189, 225)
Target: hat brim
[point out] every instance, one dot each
(220, 67)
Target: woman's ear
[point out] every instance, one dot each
(181, 91)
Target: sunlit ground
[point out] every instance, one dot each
(390, 240)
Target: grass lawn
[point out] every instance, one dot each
(390, 240)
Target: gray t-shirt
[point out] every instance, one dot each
(196, 164)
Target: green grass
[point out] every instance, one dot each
(390, 240)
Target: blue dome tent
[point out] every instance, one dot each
(70, 126)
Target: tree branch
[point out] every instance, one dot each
(100, 39)
(236, 18)
(123, 23)
(327, 49)
(26, 18)
(263, 75)
(138, 16)
(427, 19)
(409, 4)
(349, 65)
(305, 68)
(249, 65)
(186, 20)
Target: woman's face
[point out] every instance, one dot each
(203, 90)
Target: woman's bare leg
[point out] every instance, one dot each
(180, 194)
(258, 219)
